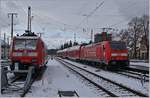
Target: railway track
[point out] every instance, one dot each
(133, 74)
(20, 84)
(128, 72)
(112, 88)
(15, 85)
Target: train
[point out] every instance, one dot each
(28, 50)
(107, 53)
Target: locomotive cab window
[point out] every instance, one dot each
(118, 45)
(28, 44)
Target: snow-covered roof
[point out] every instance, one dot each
(58, 51)
(70, 49)
(64, 50)
(74, 48)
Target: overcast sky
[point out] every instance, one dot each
(60, 19)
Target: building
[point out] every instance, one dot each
(141, 50)
(4, 50)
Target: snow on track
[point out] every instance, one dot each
(129, 82)
(140, 64)
(57, 77)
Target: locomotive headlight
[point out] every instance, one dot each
(32, 54)
(17, 54)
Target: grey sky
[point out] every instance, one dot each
(60, 19)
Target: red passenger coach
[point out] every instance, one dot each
(71, 52)
(92, 52)
(62, 53)
(27, 51)
(74, 52)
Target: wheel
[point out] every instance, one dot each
(105, 68)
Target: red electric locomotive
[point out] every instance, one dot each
(107, 52)
(27, 50)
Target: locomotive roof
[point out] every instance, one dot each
(103, 42)
(92, 44)
(26, 37)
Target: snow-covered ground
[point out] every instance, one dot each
(57, 77)
(127, 81)
(137, 60)
(140, 64)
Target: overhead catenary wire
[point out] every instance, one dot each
(91, 13)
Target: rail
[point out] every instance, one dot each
(120, 85)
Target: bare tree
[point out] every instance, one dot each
(126, 37)
(136, 34)
(135, 30)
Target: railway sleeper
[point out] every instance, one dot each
(12, 85)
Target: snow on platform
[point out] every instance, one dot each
(57, 77)
(127, 81)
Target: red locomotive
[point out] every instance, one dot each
(105, 52)
(27, 50)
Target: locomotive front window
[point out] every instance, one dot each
(118, 45)
(27, 44)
